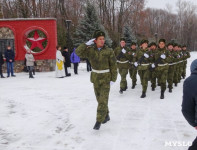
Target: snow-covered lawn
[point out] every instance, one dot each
(48, 113)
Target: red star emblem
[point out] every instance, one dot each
(36, 41)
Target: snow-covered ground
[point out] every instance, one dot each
(48, 113)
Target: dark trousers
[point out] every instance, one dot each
(10, 68)
(89, 67)
(30, 69)
(76, 68)
(194, 145)
(66, 69)
(1, 73)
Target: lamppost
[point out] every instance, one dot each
(67, 23)
(156, 37)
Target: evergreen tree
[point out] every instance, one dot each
(128, 35)
(88, 25)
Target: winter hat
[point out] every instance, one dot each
(193, 65)
(98, 33)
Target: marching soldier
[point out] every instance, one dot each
(162, 57)
(104, 72)
(172, 66)
(176, 68)
(186, 55)
(132, 69)
(122, 56)
(142, 64)
(153, 77)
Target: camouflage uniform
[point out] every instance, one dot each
(176, 68)
(143, 68)
(101, 60)
(132, 69)
(123, 65)
(171, 70)
(153, 76)
(162, 68)
(186, 55)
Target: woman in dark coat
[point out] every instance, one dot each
(1, 63)
(67, 63)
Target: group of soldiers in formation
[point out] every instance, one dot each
(153, 62)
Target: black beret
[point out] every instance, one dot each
(170, 44)
(175, 44)
(122, 39)
(153, 43)
(143, 41)
(98, 33)
(162, 40)
(133, 43)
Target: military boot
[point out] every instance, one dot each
(162, 95)
(97, 126)
(176, 84)
(121, 91)
(133, 86)
(153, 89)
(2, 76)
(170, 90)
(107, 118)
(143, 95)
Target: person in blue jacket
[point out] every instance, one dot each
(9, 56)
(75, 60)
(189, 104)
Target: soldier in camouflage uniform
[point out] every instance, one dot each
(176, 67)
(142, 64)
(132, 69)
(172, 66)
(162, 59)
(104, 72)
(186, 55)
(180, 63)
(122, 56)
(153, 77)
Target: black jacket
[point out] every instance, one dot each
(66, 55)
(9, 54)
(189, 104)
(1, 59)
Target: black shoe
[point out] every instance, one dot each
(162, 95)
(2, 77)
(68, 75)
(13, 76)
(8, 76)
(133, 87)
(170, 90)
(153, 89)
(176, 84)
(97, 126)
(107, 118)
(121, 91)
(159, 84)
(143, 95)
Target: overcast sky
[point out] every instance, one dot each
(162, 4)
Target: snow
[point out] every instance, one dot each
(48, 113)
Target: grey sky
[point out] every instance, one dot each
(162, 4)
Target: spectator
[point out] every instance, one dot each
(30, 62)
(189, 104)
(89, 67)
(67, 63)
(75, 60)
(1, 63)
(60, 72)
(9, 55)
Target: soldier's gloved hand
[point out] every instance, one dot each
(178, 56)
(111, 83)
(90, 42)
(135, 64)
(153, 65)
(146, 55)
(133, 54)
(163, 56)
(124, 51)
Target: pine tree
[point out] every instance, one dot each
(128, 35)
(88, 25)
